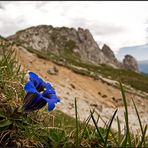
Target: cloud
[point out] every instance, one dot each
(117, 24)
(1, 6)
(97, 27)
(103, 33)
(9, 26)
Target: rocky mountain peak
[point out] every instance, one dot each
(110, 55)
(130, 63)
(106, 49)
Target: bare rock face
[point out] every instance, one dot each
(111, 59)
(130, 63)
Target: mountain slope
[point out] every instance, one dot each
(67, 43)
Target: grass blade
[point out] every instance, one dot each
(85, 128)
(143, 137)
(128, 137)
(108, 129)
(119, 131)
(138, 116)
(77, 126)
(100, 135)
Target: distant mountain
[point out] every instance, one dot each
(139, 52)
(143, 66)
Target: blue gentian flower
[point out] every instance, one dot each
(39, 93)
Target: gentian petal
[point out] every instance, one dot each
(38, 105)
(54, 97)
(28, 101)
(48, 93)
(29, 87)
(51, 102)
(32, 100)
(41, 86)
(48, 85)
(35, 79)
(50, 88)
(51, 106)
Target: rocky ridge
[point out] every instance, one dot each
(79, 44)
(130, 63)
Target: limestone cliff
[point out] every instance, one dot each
(130, 63)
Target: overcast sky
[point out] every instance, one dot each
(118, 24)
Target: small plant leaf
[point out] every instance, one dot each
(138, 116)
(108, 129)
(143, 137)
(128, 137)
(94, 121)
(5, 122)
